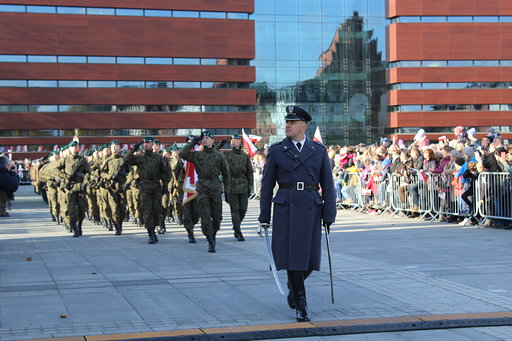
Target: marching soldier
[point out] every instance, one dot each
(178, 177)
(209, 164)
(300, 166)
(153, 174)
(73, 169)
(241, 176)
(110, 172)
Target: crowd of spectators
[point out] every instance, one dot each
(463, 157)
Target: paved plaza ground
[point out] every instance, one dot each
(53, 285)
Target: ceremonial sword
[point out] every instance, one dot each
(270, 255)
(330, 263)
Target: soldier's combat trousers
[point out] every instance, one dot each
(238, 206)
(53, 201)
(76, 208)
(151, 204)
(209, 206)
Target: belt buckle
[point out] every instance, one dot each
(300, 186)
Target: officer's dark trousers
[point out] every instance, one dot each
(209, 205)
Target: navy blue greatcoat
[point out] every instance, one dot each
(298, 215)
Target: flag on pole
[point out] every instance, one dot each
(18, 148)
(55, 147)
(420, 174)
(318, 136)
(189, 185)
(254, 138)
(248, 145)
(25, 148)
(40, 148)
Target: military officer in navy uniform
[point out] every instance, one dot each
(301, 167)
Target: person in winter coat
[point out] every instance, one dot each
(301, 167)
(9, 182)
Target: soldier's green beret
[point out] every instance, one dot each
(148, 139)
(100, 148)
(157, 141)
(208, 133)
(175, 148)
(72, 144)
(235, 137)
(115, 142)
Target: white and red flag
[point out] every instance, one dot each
(318, 136)
(189, 185)
(254, 138)
(248, 144)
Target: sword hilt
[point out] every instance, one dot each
(262, 226)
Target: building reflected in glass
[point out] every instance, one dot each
(326, 56)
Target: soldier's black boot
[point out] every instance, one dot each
(74, 227)
(190, 234)
(111, 225)
(296, 281)
(162, 229)
(152, 235)
(79, 227)
(53, 219)
(211, 243)
(180, 220)
(238, 233)
(119, 228)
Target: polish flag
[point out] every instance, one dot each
(25, 148)
(18, 148)
(189, 185)
(420, 174)
(248, 145)
(55, 147)
(125, 147)
(254, 138)
(75, 138)
(318, 136)
(40, 148)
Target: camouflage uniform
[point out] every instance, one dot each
(132, 195)
(73, 169)
(178, 177)
(209, 164)
(151, 170)
(109, 169)
(241, 176)
(45, 176)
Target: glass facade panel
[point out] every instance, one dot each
(130, 84)
(159, 61)
(186, 61)
(72, 84)
(185, 14)
(42, 59)
(101, 60)
(12, 8)
(326, 56)
(213, 15)
(195, 85)
(42, 84)
(13, 83)
(72, 59)
(5, 58)
(130, 60)
(157, 13)
(71, 10)
(232, 15)
(101, 11)
(102, 84)
(129, 11)
(41, 9)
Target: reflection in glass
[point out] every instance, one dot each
(72, 84)
(42, 108)
(130, 84)
(186, 61)
(102, 84)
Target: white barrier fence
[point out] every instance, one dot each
(432, 196)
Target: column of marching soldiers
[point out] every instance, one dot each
(146, 186)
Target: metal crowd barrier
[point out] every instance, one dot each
(447, 197)
(352, 193)
(404, 190)
(493, 197)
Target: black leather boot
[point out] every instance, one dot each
(111, 225)
(238, 233)
(151, 235)
(291, 301)
(190, 234)
(296, 280)
(162, 229)
(74, 227)
(211, 243)
(79, 226)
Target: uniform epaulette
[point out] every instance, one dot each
(276, 144)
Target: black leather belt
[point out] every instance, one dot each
(300, 186)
